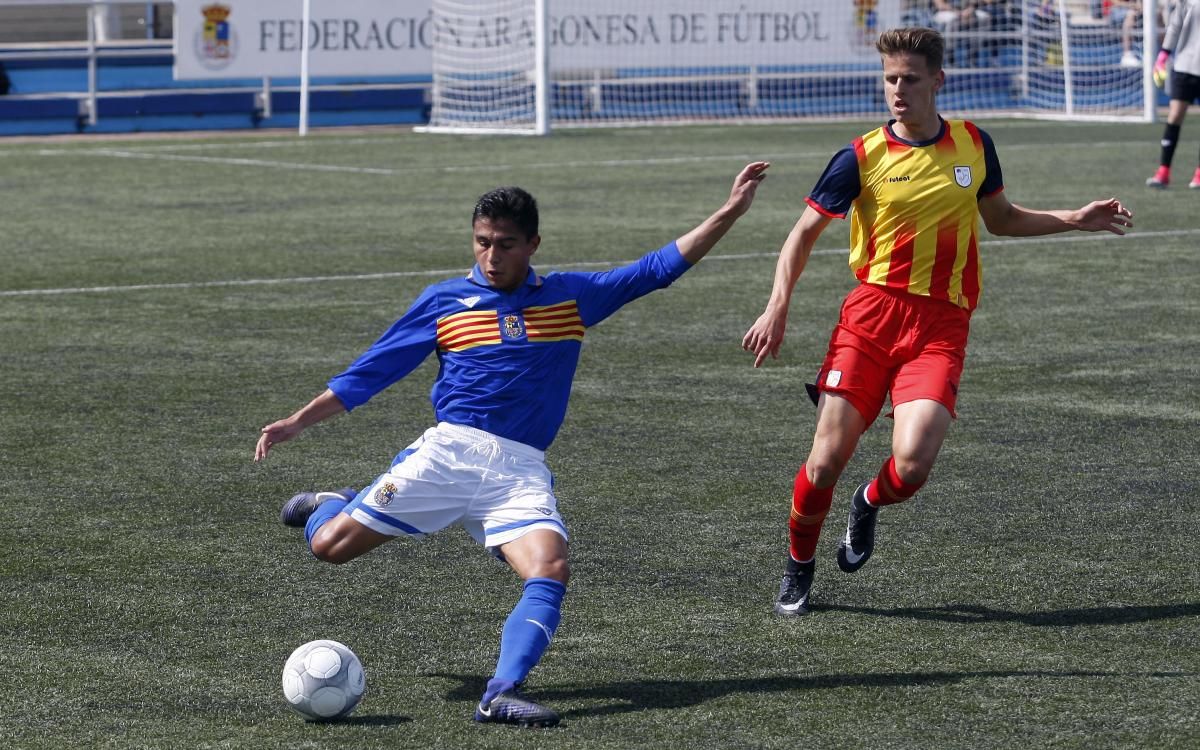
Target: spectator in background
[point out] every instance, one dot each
(1127, 14)
(959, 15)
(1005, 14)
(1005, 26)
(917, 13)
(955, 17)
(1044, 33)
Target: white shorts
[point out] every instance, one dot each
(498, 489)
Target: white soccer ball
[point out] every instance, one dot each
(323, 680)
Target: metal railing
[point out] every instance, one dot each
(93, 50)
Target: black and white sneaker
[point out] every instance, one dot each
(510, 707)
(859, 542)
(794, 588)
(296, 511)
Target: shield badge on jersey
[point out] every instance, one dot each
(512, 327)
(962, 176)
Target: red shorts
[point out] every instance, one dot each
(889, 341)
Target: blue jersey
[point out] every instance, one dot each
(507, 358)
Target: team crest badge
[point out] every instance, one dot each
(512, 327)
(385, 494)
(962, 176)
(216, 43)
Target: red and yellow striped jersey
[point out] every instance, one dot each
(915, 221)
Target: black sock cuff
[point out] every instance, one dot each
(801, 567)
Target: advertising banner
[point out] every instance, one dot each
(255, 38)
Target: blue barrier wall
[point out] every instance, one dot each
(140, 94)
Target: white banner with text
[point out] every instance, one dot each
(256, 38)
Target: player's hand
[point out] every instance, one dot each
(1159, 74)
(276, 432)
(766, 336)
(1105, 216)
(745, 185)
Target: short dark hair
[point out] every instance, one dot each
(510, 203)
(928, 43)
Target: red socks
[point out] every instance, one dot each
(809, 506)
(888, 489)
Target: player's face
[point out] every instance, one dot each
(910, 87)
(503, 251)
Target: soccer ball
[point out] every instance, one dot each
(323, 680)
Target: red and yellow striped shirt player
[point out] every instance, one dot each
(915, 189)
(915, 223)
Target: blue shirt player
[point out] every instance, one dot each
(508, 341)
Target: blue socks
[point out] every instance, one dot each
(527, 633)
(323, 513)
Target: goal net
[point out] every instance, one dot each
(614, 62)
(489, 67)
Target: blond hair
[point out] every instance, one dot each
(927, 43)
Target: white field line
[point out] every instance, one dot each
(230, 161)
(450, 273)
(160, 153)
(388, 171)
(296, 143)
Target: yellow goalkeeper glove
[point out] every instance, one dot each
(1160, 69)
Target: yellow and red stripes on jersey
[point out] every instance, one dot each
(547, 323)
(915, 224)
(468, 329)
(560, 322)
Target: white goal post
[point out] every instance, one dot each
(524, 66)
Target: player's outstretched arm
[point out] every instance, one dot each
(1010, 220)
(322, 407)
(1107, 215)
(695, 244)
(766, 335)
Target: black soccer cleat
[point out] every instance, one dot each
(296, 511)
(794, 589)
(510, 707)
(859, 542)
